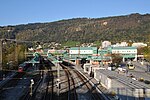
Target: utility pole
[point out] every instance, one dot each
(101, 56)
(58, 76)
(101, 59)
(58, 72)
(77, 60)
(79, 51)
(16, 53)
(1, 55)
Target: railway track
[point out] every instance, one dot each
(72, 95)
(94, 94)
(12, 79)
(13, 87)
(30, 92)
(84, 82)
(49, 94)
(44, 88)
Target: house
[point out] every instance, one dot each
(138, 45)
(106, 44)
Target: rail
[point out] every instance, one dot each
(8, 79)
(68, 74)
(104, 97)
(90, 85)
(27, 96)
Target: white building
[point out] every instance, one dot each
(125, 52)
(83, 50)
(140, 44)
(122, 44)
(106, 44)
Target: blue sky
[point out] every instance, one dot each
(14, 12)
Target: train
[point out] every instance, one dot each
(23, 67)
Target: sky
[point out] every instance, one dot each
(15, 12)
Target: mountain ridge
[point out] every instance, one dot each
(134, 27)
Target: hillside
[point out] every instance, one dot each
(133, 27)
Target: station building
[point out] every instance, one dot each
(76, 54)
(125, 52)
(82, 51)
(94, 55)
(91, 55)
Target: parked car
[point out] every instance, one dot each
(122, 68)
(130, 66)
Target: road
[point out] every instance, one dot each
(140, 71)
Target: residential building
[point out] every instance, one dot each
(106, 44)
(122, 44)
(139, 45)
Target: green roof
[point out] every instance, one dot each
(83, 48)
(124, 48)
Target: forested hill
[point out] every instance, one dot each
(133, 27)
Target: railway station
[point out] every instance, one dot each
(82, 73)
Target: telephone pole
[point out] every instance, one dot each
(1, 55)
(16, 53)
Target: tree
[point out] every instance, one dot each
(116, 59)
(146, 52)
